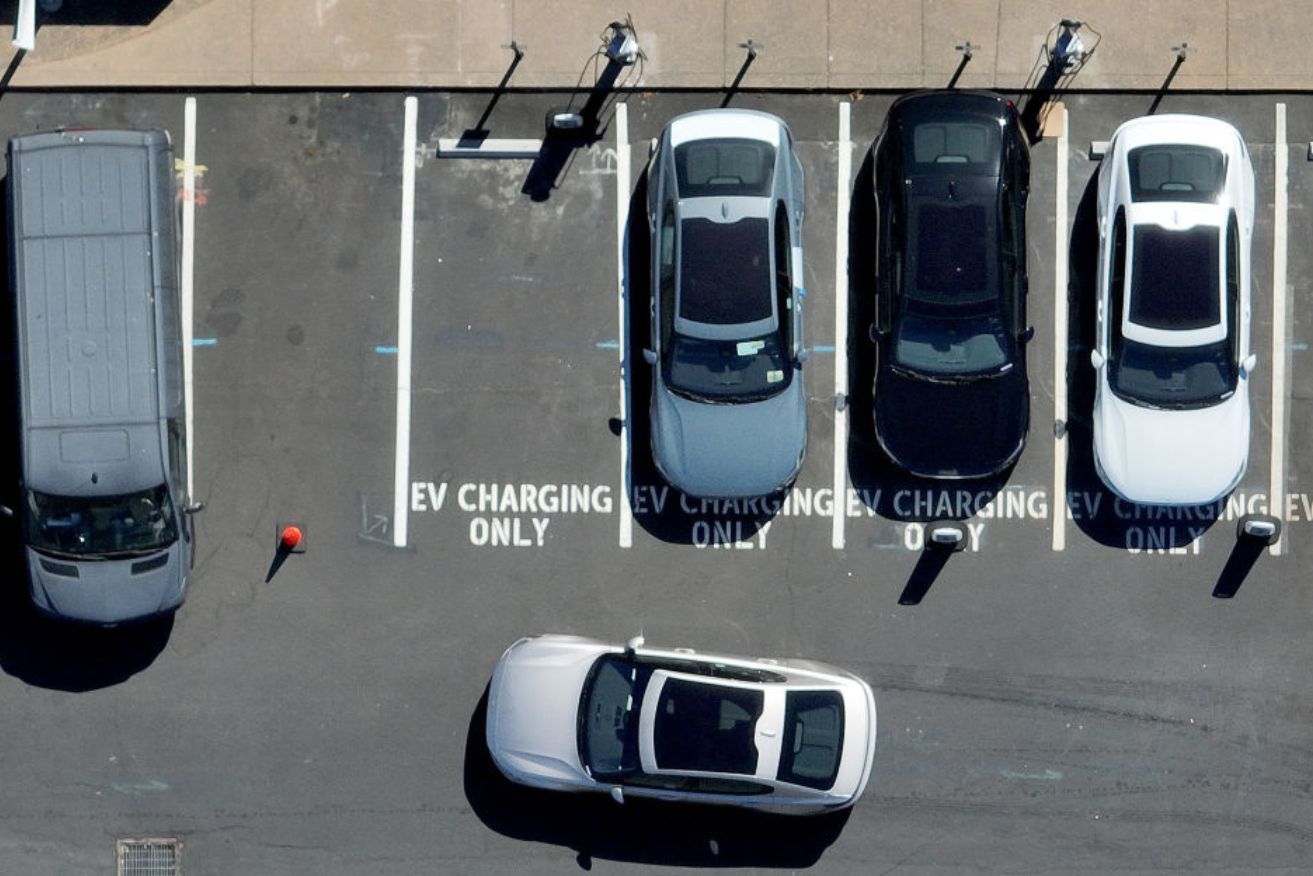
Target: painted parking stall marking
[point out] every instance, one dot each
(1060, 317)
(626, 535)
(405, 298)
(841, 318)
(1280, 334)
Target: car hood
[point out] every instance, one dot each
(952, 430)
(1171, 457)
(533, 708)
(108, 591)
(730, 450)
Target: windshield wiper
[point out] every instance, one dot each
(62, 554)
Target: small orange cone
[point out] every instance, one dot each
(290, 538)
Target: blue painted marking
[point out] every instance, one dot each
(204, 342)
(608, 345)
(386, 350)
(823, 348)
(1299, 346)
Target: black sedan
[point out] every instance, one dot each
(951, 172)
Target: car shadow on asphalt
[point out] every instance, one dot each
(33, 648)
(659, 508)
(1097, 511)
(123, 13)
(638, 831)
(882, 486)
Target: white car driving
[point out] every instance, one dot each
(1171, 355)
(785, 736)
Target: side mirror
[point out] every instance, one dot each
(1247, 367)
(6, 511)
(618, 794)
(634, 644)
(803, 355)
(1026, 336)
(873, 333)
(649, 356)
(1097, 360)
(193, 508)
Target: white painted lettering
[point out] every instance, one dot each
(701, 532)
(479, 531)
(761, 534)
(462, 500)
(417, 496)
(974, 530)
(914, 536)
(540, 529)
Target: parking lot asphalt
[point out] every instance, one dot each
(1076, 708)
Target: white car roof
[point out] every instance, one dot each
(1200, 130)
(725, 123)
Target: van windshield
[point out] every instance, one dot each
(102, 527)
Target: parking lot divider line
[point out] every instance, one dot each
(839, 511)
(622, 298)
(405, 296)
(1280, 342)
(1060, 268)
(186, 280)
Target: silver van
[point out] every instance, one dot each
(93, 247)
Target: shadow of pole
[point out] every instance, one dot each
(479, 132)
(928, 567)
(1243, 557)
(753, 48)
(967, 50)
(19, 55)
(1181, 51)
(1032, 121)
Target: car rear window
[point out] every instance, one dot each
(969, 146)
(813, 738)
(724, 167)
(1175, 278)
(724, 272)
(706, 727)
(1176, 173)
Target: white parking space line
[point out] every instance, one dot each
(1280, 343)
(840, 505)
(405, 296)
(186, 280)
(1060, 256)
(622, 298)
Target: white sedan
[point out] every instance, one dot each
(786, 736)
(1171, 356)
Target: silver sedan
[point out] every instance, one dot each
(725, 206)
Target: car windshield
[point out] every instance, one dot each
(98, 527)
(1167, 172)
(813, 738)
(1175, 278)
(724, 167)
(1173, 377)
(725, 372)
(951, 346)
(608, 716)
(706, 727)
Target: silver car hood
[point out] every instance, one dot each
(108, 591)
(730, 450)
(533, 710)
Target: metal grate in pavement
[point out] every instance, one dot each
(149, 857)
